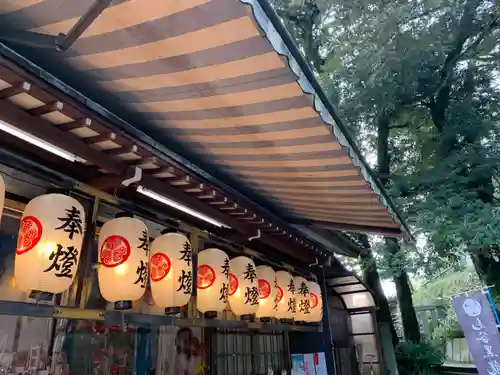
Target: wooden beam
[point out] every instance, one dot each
(194, 188)
(257, 221)
(15, 89)
(218, 202)
(118, 151)
(305, 256)
(108, 182)
(67, 141)
(181, 197)
(8, 75)
(100, 138)
(143, 161)
(207, 195)
(56, 106)
(250, 217)
(231, 207)
(182, 181)
(241, 212)
(168, 172)
(77, 124)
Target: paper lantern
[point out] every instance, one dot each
(212, 281)
(2, 196)
(303, 299)
(49, 244)
(285, 295)
(171, 270)
(316, 303)
(267, 292)
(123, 257)
(243, 286)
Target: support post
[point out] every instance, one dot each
(331, 364)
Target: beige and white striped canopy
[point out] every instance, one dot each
(217, 78)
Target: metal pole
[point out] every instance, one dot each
(329, 347)
(88, 246)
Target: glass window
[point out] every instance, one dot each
(367, 347)
(343, 280)
(350, 288)
(358, 300)
(371, 368)
(362, 323)
(258, 353)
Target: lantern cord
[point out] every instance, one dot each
(135, 178)
(255, 237)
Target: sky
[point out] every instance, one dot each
(389, 288)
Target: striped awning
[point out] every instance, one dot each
(217, 78)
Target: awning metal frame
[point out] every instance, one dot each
(61, 42)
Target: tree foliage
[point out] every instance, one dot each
(417, 84)
(428, 69)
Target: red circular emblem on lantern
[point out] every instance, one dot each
(233, 284)
(159, 266)
(264, 289)
(206, 276)
(314, 300)
(279, 294)
(30, 233)
(115, 250)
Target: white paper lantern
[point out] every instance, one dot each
(285, 295)
(212, 281)
(267, 292)
(2, 196)
(303, 299)
(243, 286)
(316, 303)
(171, 270)
(123, 257)
(49, 243)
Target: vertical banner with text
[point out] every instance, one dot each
(480, 330)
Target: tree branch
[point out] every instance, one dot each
(457, 55)
(400, 126)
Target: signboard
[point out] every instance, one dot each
(320, 364)
(309, 367)
(480, 330)
(298, 366)
(180, 351)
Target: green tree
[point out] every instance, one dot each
(310, 23)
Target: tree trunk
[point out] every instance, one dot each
(371, 278)
(411, 326)
(488, 270)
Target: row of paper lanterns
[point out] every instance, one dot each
(49, 248)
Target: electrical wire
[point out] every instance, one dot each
(22, 180)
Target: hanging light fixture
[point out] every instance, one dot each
(243, 286)
(285, 296)
(171, 203)
(316, 303)
(267, 292)
(303, 299)
(212, 282)
(171, 271)
(49, 244)
(38, 142)
(123, 258)
(2, 197)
